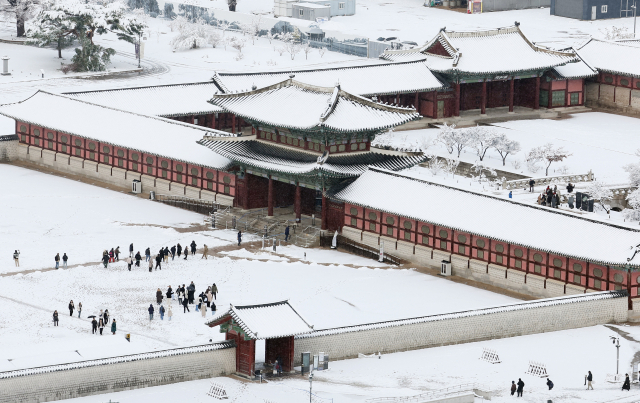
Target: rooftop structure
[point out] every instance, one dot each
(620, 58)
(502, 220)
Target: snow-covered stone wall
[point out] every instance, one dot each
(8, 149)
(525, 318)
(626, 100)
(116, 374)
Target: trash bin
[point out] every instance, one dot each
(152, 195)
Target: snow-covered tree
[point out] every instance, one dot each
(322, 51)
(178, 23)
(19, 11)
(434, 164)
(482, 138)
(451, 165)
(505, 146)
(214, 38)
(481, 172)
(633, 213)
(224, 26)
(616, 33)
(307, 49)
(548, 154)
(238, 44)
(453, 140)
(634, 171)
(602, 194)
(192, 35)
(292, 48)
(83, 21)
(253, 28)
(168, 11)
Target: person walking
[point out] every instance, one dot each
(570, 187)
(16, 257)
(213, 308)
(71, 308)
(169, 292)
(105, 316)
(79, 308)
(161, 312)
(150, 265)
(205, 252)
(192, 292)
(129, 262)
(549, 383)
(111, 256)
(117, 253)
(510, 194)
(169, 313)
(180, 294)
(131, 250)
(147, 254)
(239, 237)
(199, 302)
(627, 383)
(186, 253)
(94, 326)
(214, 290)
(185, 305)
(520, 387)
(165, 254)
(513, 388)
(589, 380)
(531, 183)
(209, 295)
(101, 325)
(179, 250)
(138, 259)
(105, 259)
(113, 327)
(286, 233)
(64, 260)
(203, 310)
(57, 259)
(193, 247)
(55, 318)
(150, 311)
(159, 296)
(571, 200)
(158, 261)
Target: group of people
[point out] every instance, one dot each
(161, 257)
(552, 197)
(186, 296)
(519, 387)
(57, 258)
(102, 322)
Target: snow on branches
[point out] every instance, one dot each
(601, 193)
(548, 154)
(20, 11)
(192, 35)
(482, 138)
(505, 146)
(479, 138)
(454, 140)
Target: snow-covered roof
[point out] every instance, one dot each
(275, 158)
(116, 360)
(310, 5)
(575, 70)
(494, 51)
(148, 134)
(160, 100)
(266, 321)
(612, 57)
(499, 219)
(570, 299)
(368, 80)
(295, 105)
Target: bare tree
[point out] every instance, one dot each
(224, 26)
(292, 48)
(307, 49)
(453, 140)
(549, 154)
(322, 51)
(253, 28)
(482, 172)
(482, 138)
(238, 44)
(504, 146)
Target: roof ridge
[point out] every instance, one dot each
(290, 71)
(286, 301)
(137, 88)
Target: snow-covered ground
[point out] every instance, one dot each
(44, 214)
(568, 355)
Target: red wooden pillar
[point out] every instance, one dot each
(566, 93)
(324, 211)
(416, 104)
(511, 95)
(297, 204)
(270, 198)
(456, 107)
(397, 99)
(483, 106)
(536, 101)
(233, 123)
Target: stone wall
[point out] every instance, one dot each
(108, 174)
(568, 312)
(116, 374)
(8, 148)
(606, 96)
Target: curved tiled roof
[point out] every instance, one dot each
(612, 57)
(275, 158)
(266, 321)
(295, 105)
(504, 220)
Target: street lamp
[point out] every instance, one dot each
(616, 343)
(310, 385)
(634, 18)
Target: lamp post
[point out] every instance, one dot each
(616, 343)
(310, 385)
(634, 18)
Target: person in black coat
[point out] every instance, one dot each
(185, 305)
(531, 183)
(179, 250)
(147, 254)
(138, 259)
(570, 187)
(549, 384)
(193, 247)
(105, 260)
(186, 253)
(169, 292)
(627, 383)
(589, 380)
(520, 387)
(158, 260)
(55, 322)
(94, 326)
(131, 250)
(239, 237)
(71, 308)
(173, 252)
(64, 260)
(191, 292)
(150, 309)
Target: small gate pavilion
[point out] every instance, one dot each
(277, 323)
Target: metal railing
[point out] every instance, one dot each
(547, 180)
(440, 393)
(356, 248)
(198, 205)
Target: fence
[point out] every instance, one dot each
(351, 246)
(547, 180)
(198, 205)
(423, 397)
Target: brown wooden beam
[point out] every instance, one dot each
(536, 101)
(483, 106)
(511, 82)
(270, 198)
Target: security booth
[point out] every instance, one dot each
(277, 323)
